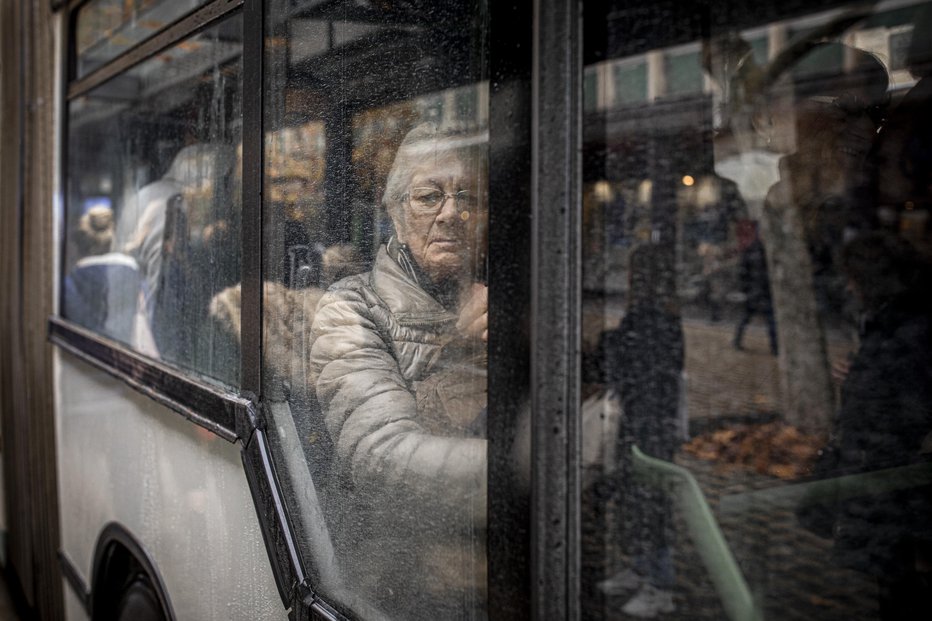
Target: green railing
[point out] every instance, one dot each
(729, 582)
(703, 528)
(835, 489)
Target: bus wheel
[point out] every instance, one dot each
(126, 585)
(139, 602)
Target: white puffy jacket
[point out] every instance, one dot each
(412, 483)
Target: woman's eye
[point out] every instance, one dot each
(428, 198)
(466, 198)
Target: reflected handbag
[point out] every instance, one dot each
(601, 425)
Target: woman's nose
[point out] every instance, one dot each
(448, 209)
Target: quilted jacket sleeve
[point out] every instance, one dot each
(371, 414)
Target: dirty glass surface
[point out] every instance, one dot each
(153, 192)
(375, 302)
(104, 29)
(757, 415)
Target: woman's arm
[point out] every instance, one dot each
(372, 415)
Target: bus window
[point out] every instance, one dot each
(152, 232)
(757, 415)
(375, 302)
(104, 29)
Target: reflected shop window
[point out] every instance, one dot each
(153, 193)
(375, 299)
(104, 29)
(757, 334)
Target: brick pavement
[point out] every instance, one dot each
(789, 569)
(726, 382)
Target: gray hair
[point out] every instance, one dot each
(429, 140)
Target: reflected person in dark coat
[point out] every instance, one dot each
(398, 363)
(755, 284)
(885, 421)
(643, 359)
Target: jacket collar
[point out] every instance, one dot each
(399, 289)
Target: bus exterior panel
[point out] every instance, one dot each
(177, 488)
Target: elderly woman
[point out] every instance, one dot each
(398, 363)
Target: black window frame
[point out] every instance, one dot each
(556, 308)
(171, 386)
(534, 303)
(234, 415)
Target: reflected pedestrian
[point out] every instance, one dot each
(755, 285)
(643, 358)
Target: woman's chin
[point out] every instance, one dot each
(445, 267)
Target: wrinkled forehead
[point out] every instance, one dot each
(439, 143)
(443, 152)
(441, 169)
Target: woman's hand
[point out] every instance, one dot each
(474, 313)
(841, 368)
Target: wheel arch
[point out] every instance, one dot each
(118, 557)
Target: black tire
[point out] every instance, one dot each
(139, 602)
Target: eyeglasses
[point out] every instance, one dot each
(431, 200)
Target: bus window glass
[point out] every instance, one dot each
(104, 29)
(757, 334)
(375, 302)
(152, 232)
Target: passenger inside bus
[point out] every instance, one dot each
(103, 288)
(398, 362)
(185, 220)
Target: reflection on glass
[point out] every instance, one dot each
(153, 217)
(398, 365)
(106, 28)
(375, 303)
(757, 321)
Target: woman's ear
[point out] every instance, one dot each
(394, 214)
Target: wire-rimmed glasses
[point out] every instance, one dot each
(430, 200)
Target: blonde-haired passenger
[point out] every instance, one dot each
(102, 290)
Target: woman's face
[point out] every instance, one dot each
(441, 212)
